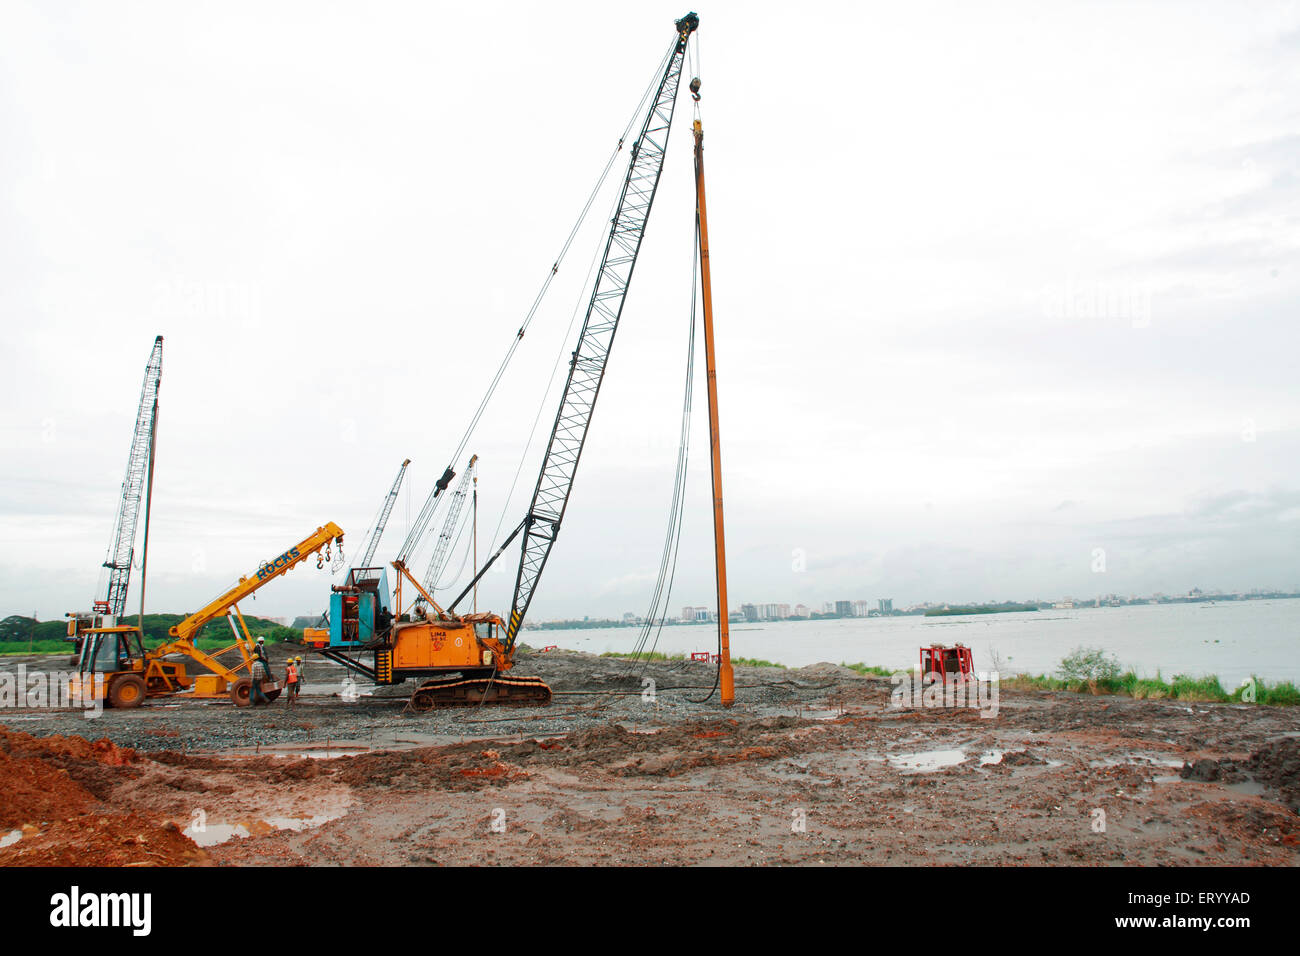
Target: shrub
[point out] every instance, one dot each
(1091, 666)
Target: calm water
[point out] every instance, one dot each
(1233, 639)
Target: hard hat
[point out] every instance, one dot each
(261, 640)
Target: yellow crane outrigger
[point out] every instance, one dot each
(114, 665)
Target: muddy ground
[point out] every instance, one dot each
(812, 766)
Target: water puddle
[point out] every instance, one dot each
(10, 838)
(298, 824)
(214, 834)
(325, 753)
(814, 714)
(927, 761)
(1137, 759)
(1250, 788)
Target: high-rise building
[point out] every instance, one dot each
(844, 608)
(861, 608)
(750, 612)
(886, 605)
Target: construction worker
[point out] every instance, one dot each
(302, 677)
(291, 680)
(383, 621)
(259, 670)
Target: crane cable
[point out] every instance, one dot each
(426, 513)
(662, 592)
(668, 561)
(462, 524)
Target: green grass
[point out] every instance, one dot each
(646, 656)
(61, 646)
(1180, 687)
(865, 669)
(17, 648)
(752, 662)
(1285, 694)
(660, 656)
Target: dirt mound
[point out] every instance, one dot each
(104, 840)
(1278, 765)
(459, 767)
(101, 751)
(58, 795)
(1021, 758)
(37, 778)
(1207, 770)
(1275, 765)
(825, 671)
(35, 792)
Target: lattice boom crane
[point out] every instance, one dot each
(468, 659)
(387, 509)
(443, 547)
(121, 548)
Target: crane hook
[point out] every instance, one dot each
(695, 88)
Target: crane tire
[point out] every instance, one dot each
(127, 691)
(241, 692)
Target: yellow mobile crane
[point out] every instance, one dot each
(114, 666)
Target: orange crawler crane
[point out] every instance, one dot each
(464, 659)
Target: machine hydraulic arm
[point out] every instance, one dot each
(266, 573)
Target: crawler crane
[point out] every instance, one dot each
(139, 476)
(469, 659)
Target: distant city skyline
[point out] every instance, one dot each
(859, 608)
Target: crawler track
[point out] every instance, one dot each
(471, 691)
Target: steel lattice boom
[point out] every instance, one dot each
(121, 548)
(587, 366)
(443, 546)
(383, 518)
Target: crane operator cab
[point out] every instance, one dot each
(110, 666)
(359, 608)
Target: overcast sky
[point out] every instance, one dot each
(996, 286)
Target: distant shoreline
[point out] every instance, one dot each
(980, 609)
